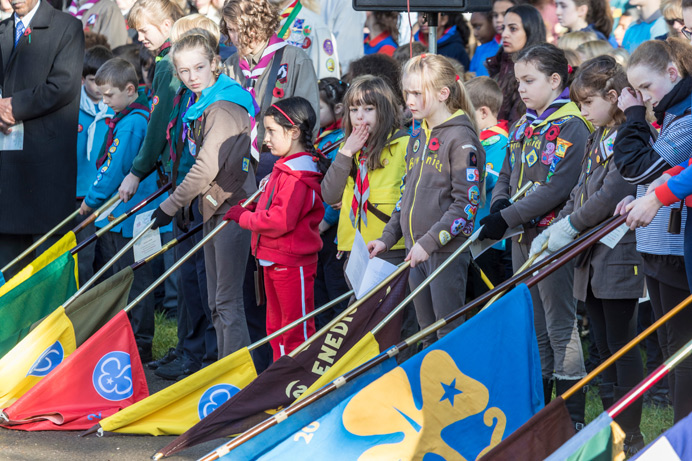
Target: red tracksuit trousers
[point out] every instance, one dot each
(290, 296)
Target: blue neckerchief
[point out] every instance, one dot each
(225, 89)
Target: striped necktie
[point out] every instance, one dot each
(18, 32)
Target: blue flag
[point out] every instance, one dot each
(674, 444)
(458, 398)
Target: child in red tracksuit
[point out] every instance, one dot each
(285, 221)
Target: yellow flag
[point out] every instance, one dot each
(364, 350)
(35, 356)
(66, 243)
(177, 408)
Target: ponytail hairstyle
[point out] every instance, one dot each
(198, 39)
(368, 90)
(597, 77)
(549, 60)
(436, 72)
(332, 91)
(297, 113)
(657, 54)
(154, 12)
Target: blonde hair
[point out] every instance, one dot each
(369, 90)
(194, 40)
(154, 12)
(657, 54)
(594, 48)
(435, 73)
(256, 20)
(572, 40)
(196, 22)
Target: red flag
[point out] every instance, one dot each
(100, 378)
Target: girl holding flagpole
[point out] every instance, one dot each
(608, 279)
(220, 134)
(285, 221)
(442, 190)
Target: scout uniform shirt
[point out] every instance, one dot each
(444, 173)
(550, 155)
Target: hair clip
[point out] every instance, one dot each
(569, 69)
(456, 78)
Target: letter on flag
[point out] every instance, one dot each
(672, 445)
(289, 377)
(452, 399)
(101, 377)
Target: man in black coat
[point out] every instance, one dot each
(41, 56)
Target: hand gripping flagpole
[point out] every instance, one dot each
(551, 264)
(439, 270)
(121, 218)
(187, 256)
(94, 216)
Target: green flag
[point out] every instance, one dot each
(34, 299)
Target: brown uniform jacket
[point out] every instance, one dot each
(616, 273)
(221, 174)
(551, 158)
(441, 189)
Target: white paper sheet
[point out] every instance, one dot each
(614, 237)
(364, 273)
(478, 247)
(14, 140)
(150, 242)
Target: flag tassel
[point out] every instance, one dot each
(186, 256)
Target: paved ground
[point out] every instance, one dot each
(67, 446)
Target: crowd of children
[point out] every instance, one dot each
(414, 153)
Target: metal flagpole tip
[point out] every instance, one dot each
(157, 456)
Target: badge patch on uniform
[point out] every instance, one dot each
(468, 228)
(306, 43)
(519, 132)
(246, 164)
(307, 30)
(112, 149)
(546, 158)
(282, 74)
(511, 160)
(607, 145)
(444, 237)
(92, 20)
(457, 225)
(116, 142)
(154, 102)
(416, 146)
(473, 160)
(531, 157)
(550, 148)
(470, 211)
(80, 128)
(562, 120)
(545, 128)
(328, 47)
(472, 174)
(562, 147)
(491, 140)
(552, 133)
(330, 65)
(474, 195)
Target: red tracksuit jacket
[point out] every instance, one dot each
(285, 222)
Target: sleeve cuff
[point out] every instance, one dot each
(665, 195)
(429, 244)
(676, 170)
(511, 217)
(388, 239)
(636, 113)
(138, 173)
(168, 207)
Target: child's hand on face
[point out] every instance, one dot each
(629, 98)
(355, 141)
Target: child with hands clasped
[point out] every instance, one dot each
(659, 74)
(546, 146)
(444, 179)
(608, 280)
(284, 223)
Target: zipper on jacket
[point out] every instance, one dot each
(415, 191)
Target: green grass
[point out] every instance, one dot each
(165, 336)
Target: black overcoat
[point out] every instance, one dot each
(43, 77)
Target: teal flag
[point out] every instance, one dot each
(456, 399)
(34, 299)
